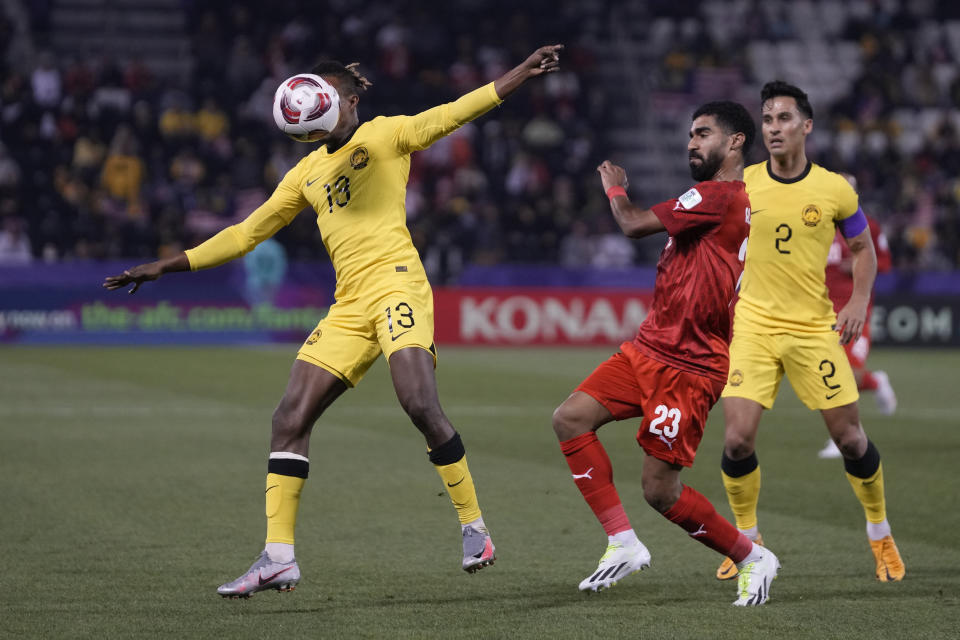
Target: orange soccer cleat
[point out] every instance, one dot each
(889, 563)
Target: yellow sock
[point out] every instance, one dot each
(869, 492)
(282, 502)
(459, 483)
(743, 492)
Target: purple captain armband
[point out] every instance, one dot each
(854, 225)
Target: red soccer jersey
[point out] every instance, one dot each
(689, 324)
(839, 264)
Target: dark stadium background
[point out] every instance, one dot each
(134, 129)
(133, 432)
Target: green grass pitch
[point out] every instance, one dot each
(132, 485)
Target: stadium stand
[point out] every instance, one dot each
(132, 129)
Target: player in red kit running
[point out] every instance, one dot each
(673, 371)
(840, 287)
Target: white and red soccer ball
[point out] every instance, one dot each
(305, 104)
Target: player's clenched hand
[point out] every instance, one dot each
(137, 275)
(611, 175)
(850, 321)
(543, 60)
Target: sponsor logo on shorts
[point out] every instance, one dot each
(736, 378)
(314, 336)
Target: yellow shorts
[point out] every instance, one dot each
(815, 363)
(357, 330)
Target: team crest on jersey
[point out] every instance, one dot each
(359, 158)
(811, 215)
(689, 200)
(314, 336)
(736, 378)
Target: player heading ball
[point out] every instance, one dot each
(355, 182)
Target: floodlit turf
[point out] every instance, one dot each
(132, 485)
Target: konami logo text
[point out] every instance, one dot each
(540, 317)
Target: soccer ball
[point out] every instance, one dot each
(305, 104)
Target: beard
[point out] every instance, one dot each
(708, 166)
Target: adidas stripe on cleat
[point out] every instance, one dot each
(263, 575)
(753, 586)
(618, 562)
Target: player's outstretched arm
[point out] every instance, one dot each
(634, 221)
(237, 240)
(147, 272)
(853, 315)
(543, 60)
(420, 131)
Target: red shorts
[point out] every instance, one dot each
(859, 349)
(674, 404)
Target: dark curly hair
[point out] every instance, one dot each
(733, 117)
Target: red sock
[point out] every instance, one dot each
(695, 515)
(868, 382)
(593, 475)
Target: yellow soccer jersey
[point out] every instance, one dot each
(792, 225)
(358, 193)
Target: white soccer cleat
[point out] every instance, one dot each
(886, 398)
(753, 584)
(264, 574)
(830, 451)
(618, 562)
(478, 549)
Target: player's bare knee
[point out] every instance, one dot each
(288, 423)
(659, 495)
(737, 446)
(567, 423)
(852, 442)
(426, 415)
(416, 409)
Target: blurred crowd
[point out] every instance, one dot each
(105, 158)
(101, 158)
(884, 80)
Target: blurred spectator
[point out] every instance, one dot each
(612, 249)
(46, 82)
(14, 243)
(211, 122)
(193, 153)
(576, 249)
(123, 171)
(9, 170)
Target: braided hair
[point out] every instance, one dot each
(349, 75)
